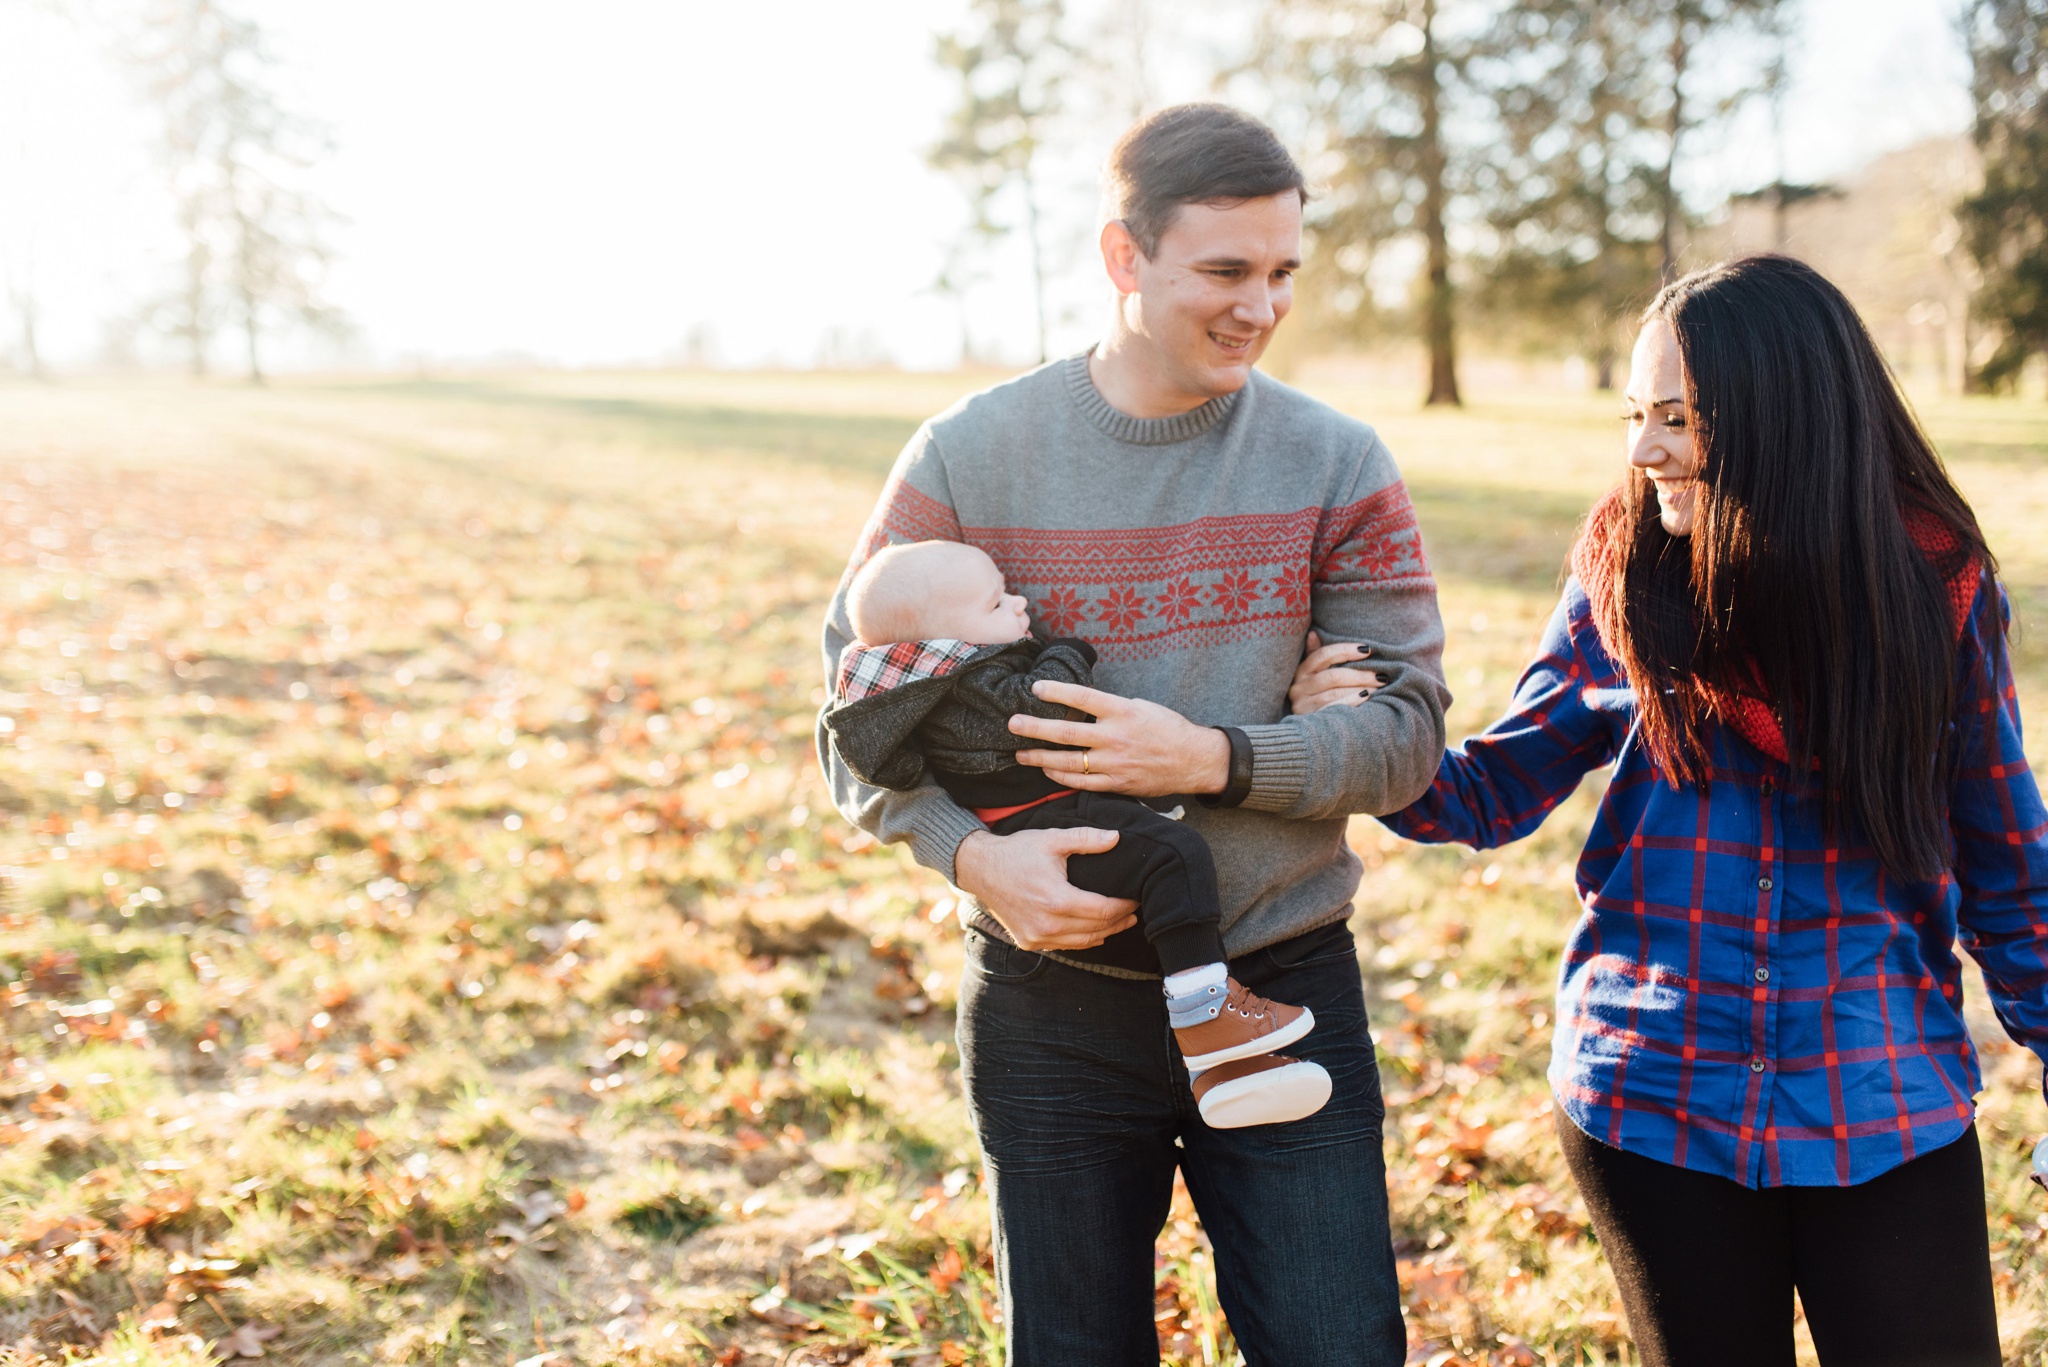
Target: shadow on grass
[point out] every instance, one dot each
(842, 441)
(1512, 537)
(1502, 536)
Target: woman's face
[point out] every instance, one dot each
(1660, 425)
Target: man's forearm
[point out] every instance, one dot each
(1376, 757)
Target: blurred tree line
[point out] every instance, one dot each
(1511, 166)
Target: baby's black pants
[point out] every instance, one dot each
(1156, 860)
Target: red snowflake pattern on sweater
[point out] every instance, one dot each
(1139, 592)
(1182, 600)
(1062, 611)
(907, 514)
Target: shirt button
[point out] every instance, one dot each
(1756, 1065)
(1763, 975)
(1769, 787)
(1764, 883)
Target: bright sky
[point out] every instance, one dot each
(590, 183)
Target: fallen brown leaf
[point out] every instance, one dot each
(247, 1341)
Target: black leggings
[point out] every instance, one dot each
(1893, 1271)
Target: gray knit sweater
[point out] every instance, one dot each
(1194, 553)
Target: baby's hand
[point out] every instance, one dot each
(1328, 676)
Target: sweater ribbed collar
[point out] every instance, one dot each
(1141, 431)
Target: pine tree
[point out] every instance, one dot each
(1692, 28)
(1380, 81)
(2005, 224)
(1578, 204)
(1596, 104)
(1011, 64)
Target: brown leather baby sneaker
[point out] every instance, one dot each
(1269, 1089)
(1228, 1022)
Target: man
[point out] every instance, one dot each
(1193, 520)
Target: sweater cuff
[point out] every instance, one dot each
(937, 836)
(1279, 766)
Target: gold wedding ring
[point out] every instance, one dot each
(1084, 761)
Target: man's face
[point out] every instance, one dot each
(1209, 298)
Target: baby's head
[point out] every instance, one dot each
(934, 590)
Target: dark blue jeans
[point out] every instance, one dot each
(1083, 1109)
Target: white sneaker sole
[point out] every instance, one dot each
(1264, 1044)
(1274, 1097)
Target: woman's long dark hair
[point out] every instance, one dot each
(1800, 583)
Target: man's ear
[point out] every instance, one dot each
(1120, 256)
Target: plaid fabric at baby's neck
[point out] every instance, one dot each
(865, 670)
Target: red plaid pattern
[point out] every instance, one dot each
(1745, 994)
(866, 670)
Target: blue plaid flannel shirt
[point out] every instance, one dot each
(1742, 995)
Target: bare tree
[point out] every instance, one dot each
(254, 254)
(1378, 80)
(1012, 63)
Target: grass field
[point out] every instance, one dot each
(427, 939)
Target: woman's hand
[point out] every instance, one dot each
(1022, 880)
(1133, 746)
(1328, 676)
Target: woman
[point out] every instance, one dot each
(1784, 632)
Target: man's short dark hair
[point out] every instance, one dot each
(1193, 154)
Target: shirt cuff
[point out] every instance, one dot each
(1279, 766)
(937, 834)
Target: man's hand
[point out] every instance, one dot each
(1329, 676)
(1134, 747)
(1022, 880)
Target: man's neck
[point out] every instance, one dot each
(1127, 372)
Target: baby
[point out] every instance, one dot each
(944, 659)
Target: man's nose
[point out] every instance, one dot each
(1256, 307)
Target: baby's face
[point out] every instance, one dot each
(976, 607)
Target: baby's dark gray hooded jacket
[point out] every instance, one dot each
(944, 708)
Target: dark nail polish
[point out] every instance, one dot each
(1365, 692)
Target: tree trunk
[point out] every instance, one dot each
(1667, 237)
(252, 335)
(1037, 257)
(249, 333)
(1609, 301)
(194, 326)
(31, 356)
(1439, 328)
